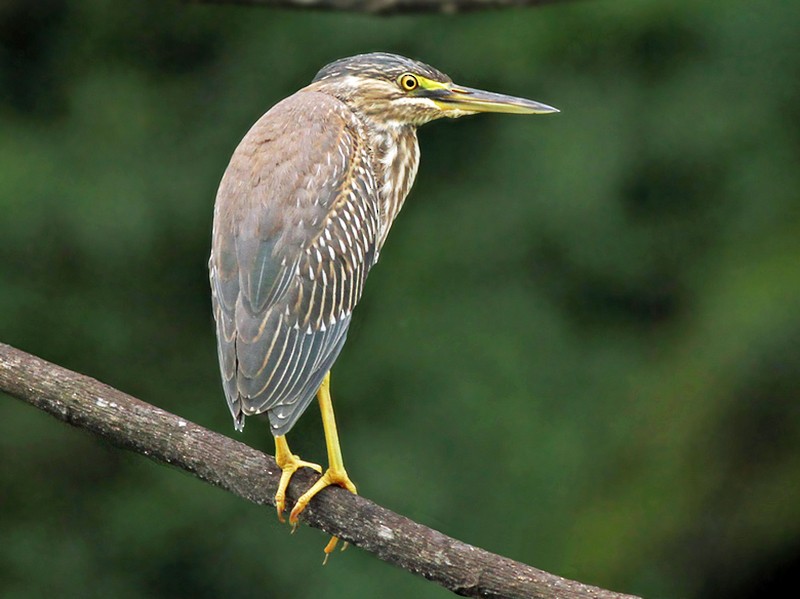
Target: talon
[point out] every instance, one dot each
(289, 463)
(280, 503)
(334, 475)
(329, 548)
(331, 477)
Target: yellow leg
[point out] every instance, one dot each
(335, 474)
(288, 463)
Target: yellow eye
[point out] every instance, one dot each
(408, 82)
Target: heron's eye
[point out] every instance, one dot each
(408, 82)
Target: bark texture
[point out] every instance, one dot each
(169, 439)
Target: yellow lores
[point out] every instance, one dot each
(301, 215)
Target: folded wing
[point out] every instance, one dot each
(295, 227)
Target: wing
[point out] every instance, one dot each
(295, 227)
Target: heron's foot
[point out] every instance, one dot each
(289, 464)
(332, 476)
(330, 547)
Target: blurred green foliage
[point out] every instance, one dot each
(581, 348)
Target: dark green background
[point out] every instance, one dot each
(579, 350)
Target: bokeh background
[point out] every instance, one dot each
(581, 348)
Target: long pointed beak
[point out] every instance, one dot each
(457, 100)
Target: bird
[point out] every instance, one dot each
(301, 215)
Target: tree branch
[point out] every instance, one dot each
(387, 7)
(133, 424)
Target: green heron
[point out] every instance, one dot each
(301, 215)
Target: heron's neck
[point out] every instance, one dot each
(395, 157)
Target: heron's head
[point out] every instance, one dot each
(391, 91)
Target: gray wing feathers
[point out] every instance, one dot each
(224, 294)
(283, 284)
(285, 381)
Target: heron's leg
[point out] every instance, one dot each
(335, 474)
(288, 463)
